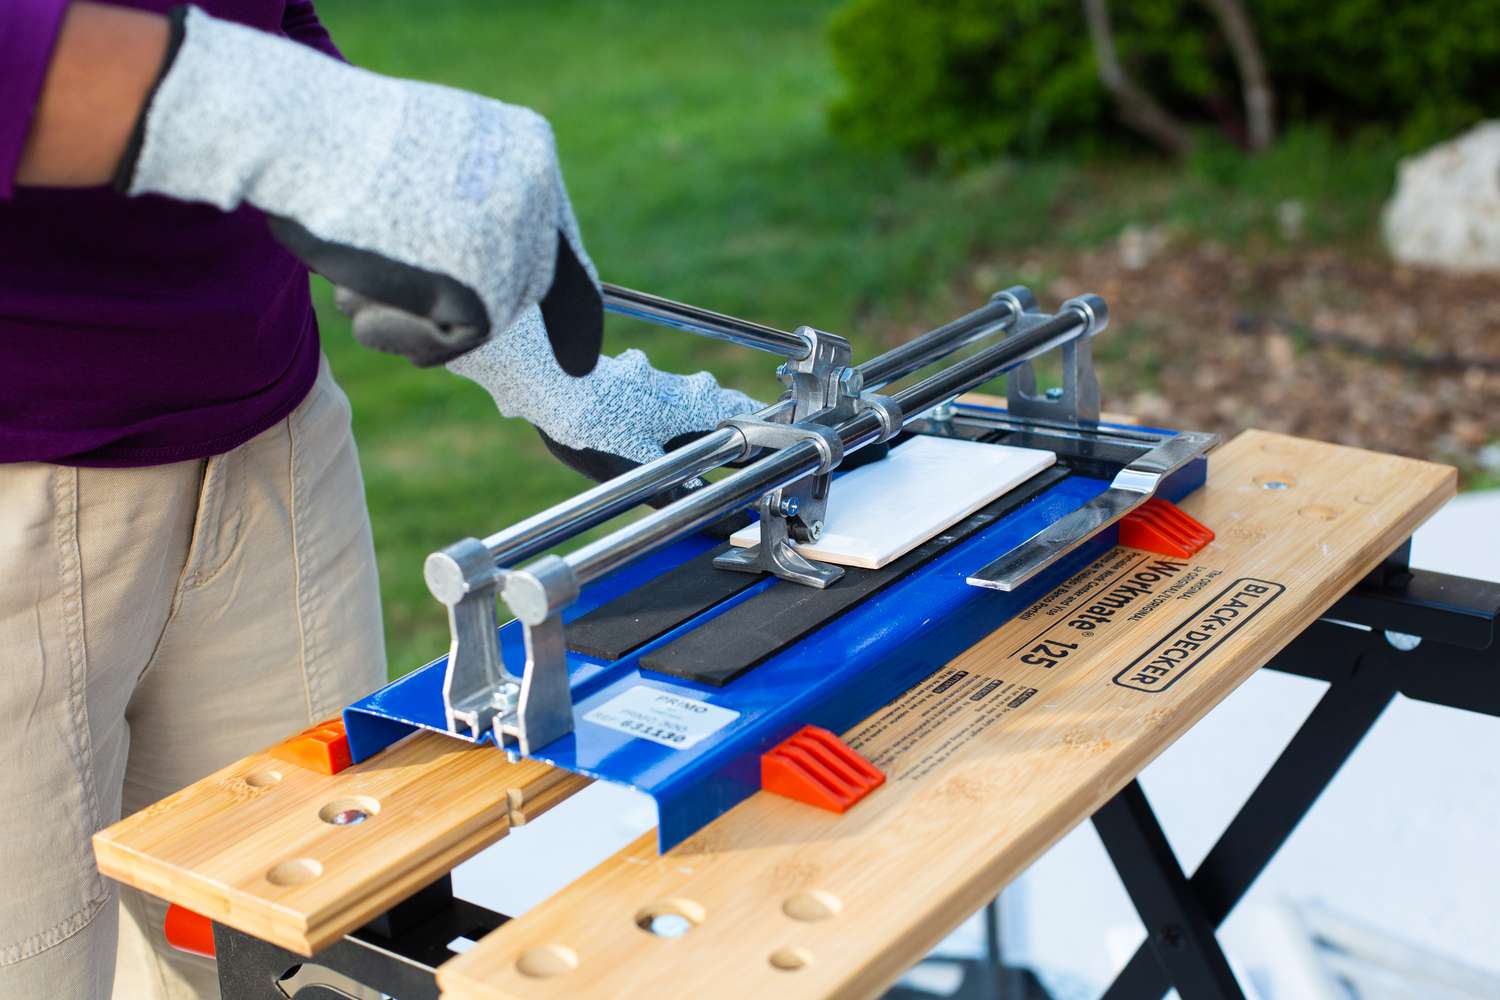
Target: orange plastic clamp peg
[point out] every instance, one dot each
(1159, 526)
(816, 767)
(190, 931)
(323, 748)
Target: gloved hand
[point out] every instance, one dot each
(625, 413)
(443, 204)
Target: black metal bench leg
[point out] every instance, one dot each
(1179, 934)
(1348, 709)
(396, 954)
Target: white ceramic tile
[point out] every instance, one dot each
(885, 509)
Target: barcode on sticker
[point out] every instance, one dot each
(661, 717)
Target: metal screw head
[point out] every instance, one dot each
(815, 530)
(789, 507)
(1402, 640)
(1055, 393)
(669, 925)
(851, 380)
(1273, 484)
(349, 817)
(505, 697)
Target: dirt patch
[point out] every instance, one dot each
(1312, 343)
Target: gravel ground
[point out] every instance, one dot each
(1307, 342)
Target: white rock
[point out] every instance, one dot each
(1446, 210)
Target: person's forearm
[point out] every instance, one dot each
(104, 64)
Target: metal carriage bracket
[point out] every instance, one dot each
(794, 511)
(825, 390)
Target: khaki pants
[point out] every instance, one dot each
(157, 624)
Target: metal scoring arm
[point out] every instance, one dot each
(829, 410)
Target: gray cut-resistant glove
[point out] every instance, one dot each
(445, 205)
(623, 414)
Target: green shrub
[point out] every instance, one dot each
(962, 79)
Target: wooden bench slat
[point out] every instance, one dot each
(246, 846)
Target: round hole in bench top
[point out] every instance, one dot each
(1320, 512)
(546, 960)
(263, 779)
(670, 918)
(791, 959)
(297, 871)
(812, 905)
(350, 810)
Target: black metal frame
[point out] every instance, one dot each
(1363, 648)
(1428, 636)
(397, 953)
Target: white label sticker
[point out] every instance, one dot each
(668, 719)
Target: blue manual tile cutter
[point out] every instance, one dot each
(695, 746)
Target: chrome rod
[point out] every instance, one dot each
(576, 515)
(1012, 352)
(790, 464)
(693, 511)
(655, 309)
(557, 524)
(1000, 313)
(571, 517)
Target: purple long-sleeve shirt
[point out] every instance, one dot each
(139, 331)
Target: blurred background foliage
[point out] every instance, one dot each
(695, 139)
(967, 79)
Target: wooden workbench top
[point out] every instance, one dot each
(254, 846)
(989, 762)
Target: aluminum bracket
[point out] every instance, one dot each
(541, 708)
(475, 685)
(1077, 400)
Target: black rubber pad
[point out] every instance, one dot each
(634, 619)
(726, 646)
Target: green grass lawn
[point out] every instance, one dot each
(693, 140)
